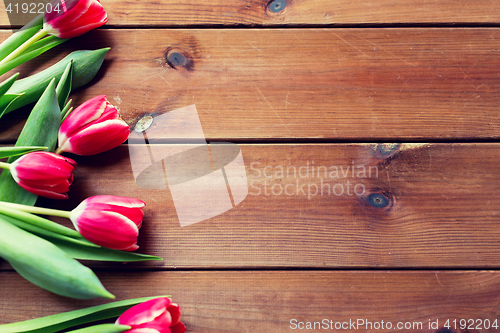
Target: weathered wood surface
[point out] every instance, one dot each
(438, 204)
(302, 210)
(333, 84)
(267, 301)
(297, 12)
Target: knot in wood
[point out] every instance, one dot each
(386, 150)
(276, 6)
(379, 199)
(177, 58)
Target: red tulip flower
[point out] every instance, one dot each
(45, 174)
(109, 221)
(158, 315)
(72, 18)
(64, 19)
(93, 127)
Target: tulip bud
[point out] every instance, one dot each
(45, 174)
(72, 18)
(109, 221)
(92, 128)
(158, 315)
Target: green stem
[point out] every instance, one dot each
(7, 209)
(103, 328)
(14, 54)
(4, 165)
(59, 151)
(37, 210)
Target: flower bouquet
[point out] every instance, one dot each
(106, 227)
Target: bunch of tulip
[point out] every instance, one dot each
(107, 226)
(141, 315)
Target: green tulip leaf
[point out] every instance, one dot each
(46, 234)
(40, 129)
(16, 151)
(103, 328)
(85, 67)
(33, 51)
(84, 252)
(45, 265)
(5, 85)
(61, 321)
(68, 240)
(18, 38)
(63, 88)
(66, 111)
(7, 101)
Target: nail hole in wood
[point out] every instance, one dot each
(143, 124)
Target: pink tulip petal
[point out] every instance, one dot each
(43, 173)
(113, 200)
(82, 10)
(93, 127)
(178, 328)
(136, 215)
(97, 138)
(142, 330)
(84, 25)
(144, 312)
(44, 193)
(43, 164)
(109, 113)
(108, 229)
(84, 114)
(128, 207)
(64, 8)
(75, 17)
(175, 312)
(160, 323)
(131, 248)
(104, 220)
(60, 187)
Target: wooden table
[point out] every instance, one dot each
(409, 87)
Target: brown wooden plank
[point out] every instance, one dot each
(320, 12)
(268, 301)
(342, 84)
(442, 210)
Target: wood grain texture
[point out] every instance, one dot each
(423, 206)
(441, 209)
(295, 12)
(267, 301)
(307, 84)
